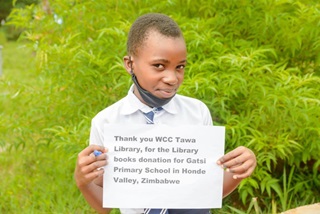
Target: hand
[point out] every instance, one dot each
(240, 161)
(88, 166)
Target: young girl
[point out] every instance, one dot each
(156, 61)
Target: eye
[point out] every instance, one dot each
(159, 66)
(181, 67)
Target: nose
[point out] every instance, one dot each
(171, 77)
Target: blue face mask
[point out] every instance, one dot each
(149, 98)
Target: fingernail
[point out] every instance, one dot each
(235, 177)
(97, 153)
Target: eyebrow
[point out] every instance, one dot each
(167, 61)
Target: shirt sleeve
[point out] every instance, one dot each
(206, 115)
(96, 133)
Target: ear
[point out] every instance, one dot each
(128, 64)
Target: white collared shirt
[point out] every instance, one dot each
(180, 110)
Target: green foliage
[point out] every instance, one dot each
(11, 32)
(256, 64)
(6, 6)
(5, 9)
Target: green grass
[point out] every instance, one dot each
(18, 62)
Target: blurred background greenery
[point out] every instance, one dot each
(10, 32)
(256, 64)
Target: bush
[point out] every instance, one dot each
(254, 63)
(11, 32)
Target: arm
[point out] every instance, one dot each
(88, 176)
(239, 164)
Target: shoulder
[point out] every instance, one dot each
(111, 111)
(188, 110)
(186, 102)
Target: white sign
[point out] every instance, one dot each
(160, 166)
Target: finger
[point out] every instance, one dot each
(90, 149)
(88, 159)
(83, 161)
(231, 155)
(93, 166)
(236, 161)
(97, 153)
(245, 155)
(245, 174)
(103, 156)
(93, 175)
(244, 171)
(241, 168)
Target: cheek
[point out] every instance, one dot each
(147, 79)
(181, 77)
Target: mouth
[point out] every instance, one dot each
(167, 93)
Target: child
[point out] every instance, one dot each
(156, 61)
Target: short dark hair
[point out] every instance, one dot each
(152, 21)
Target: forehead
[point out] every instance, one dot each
(155, 40)
(158, 47)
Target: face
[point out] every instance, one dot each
(159, 65)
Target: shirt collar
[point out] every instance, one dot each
(133, 104)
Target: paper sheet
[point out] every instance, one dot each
(160, 166)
